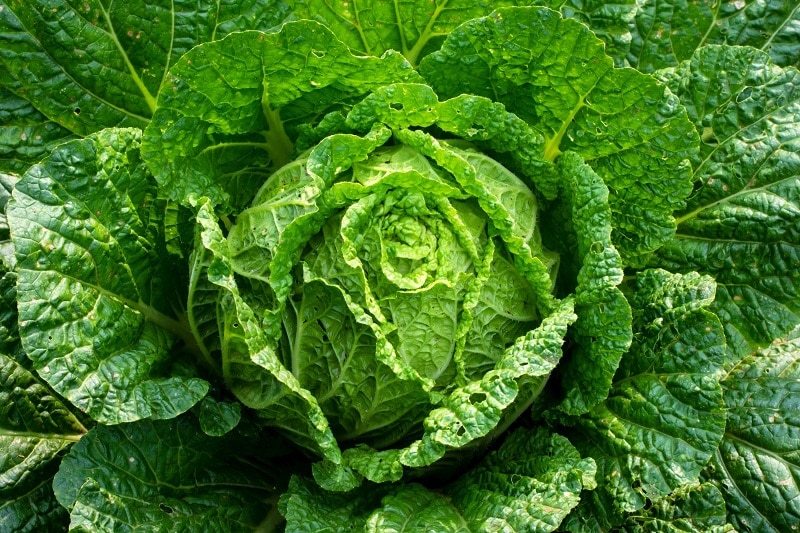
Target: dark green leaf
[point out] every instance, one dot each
(25, 134)
(694, 509)
(602, 332)
(159, 475)
(742, 223)
(758, 462)
(664, 417)
(93, 64)
(666, 32)
(92, 296)
(610, 21)
(36, 428)
(229, 111)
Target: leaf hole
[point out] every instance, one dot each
(77, 111)
(397, 106)
(166, 508)
(477, 397)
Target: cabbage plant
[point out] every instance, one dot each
(385, 267)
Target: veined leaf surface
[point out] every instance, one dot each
(554, 74)
(757, 465)
(36, 428)
(742, 222)
(91, 64)
(92, 295)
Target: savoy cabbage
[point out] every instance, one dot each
(399, 266)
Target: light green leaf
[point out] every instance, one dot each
(412, 507)
(36, 428)
(334, 357)
(602, 332)
(667, 32)
(741, 223)
(529, 484)
(471, 414)
(757, 465)
(412, 28)
(664, 416)
(553, 73)
(229, 112)
(91, 292)
(159, 475)
(94, 64)
(250, 361)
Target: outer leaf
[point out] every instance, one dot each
(554, 74)
(414, 508)
(309, 509)
(696, 509)
(664, 417)
(611, 21)
(742, 223)
(412, 28)
(758, 462)
(229, 112)
(529, 484)
(89, 286)
(25, 134)
(98, 63)
(36, 428)
(161, 475)
(668, 32)
(218, 418)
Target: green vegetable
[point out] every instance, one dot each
(458, 266)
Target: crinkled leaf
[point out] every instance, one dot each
(610, 21)
(91, 292)
(664, 416)
(469, 413)
(36, 428)
(414, 508)
(25, 134)
(309, 509)
(666, 32)
(694, 509)
(93, 64)
(602, 332)
(529, 484)
(250, 363)
(164, 474)
(472, 118)
(758, 462)
(412, 28)
(742, 223)
(229, 111)
(553, 73)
